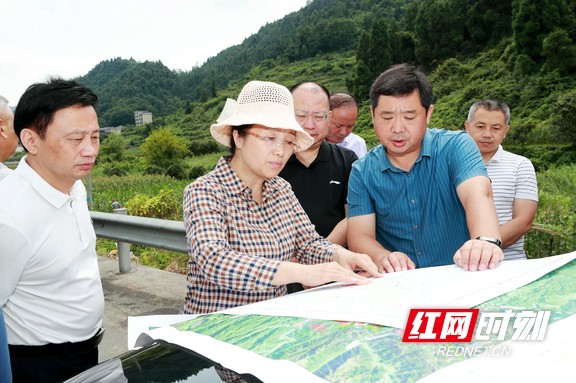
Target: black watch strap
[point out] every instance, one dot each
(493, 240)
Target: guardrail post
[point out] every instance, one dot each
(124, 263)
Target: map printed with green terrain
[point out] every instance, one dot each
(360, 352)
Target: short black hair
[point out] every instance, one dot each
(41, 101)
(402, 80)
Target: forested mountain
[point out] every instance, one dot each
(521, 51)
(125, 86)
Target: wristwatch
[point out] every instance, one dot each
(493, 240)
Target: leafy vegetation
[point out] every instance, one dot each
(556, 214)
(149, 195)
(522, 52)
(164, 150)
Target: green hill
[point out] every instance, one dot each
(522, 52)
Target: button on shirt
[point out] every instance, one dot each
(418, 212)
(49, 277)
(236, 245)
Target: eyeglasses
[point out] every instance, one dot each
(317, 117)
(274, 142)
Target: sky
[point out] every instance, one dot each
(68, 38)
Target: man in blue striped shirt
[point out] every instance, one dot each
(423, 197)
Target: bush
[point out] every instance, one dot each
(203, 146)
(124, 188)
(555, 222)
(196, 171)
(114, 171)
(112, 148)
(154, 169)
(167, 204)
(164, 148)
(545, 156)
(105, 246)
(177, 171)
(161, 259)
(556, 226)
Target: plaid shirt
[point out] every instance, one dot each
(236, 245)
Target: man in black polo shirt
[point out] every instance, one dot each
(319, 175)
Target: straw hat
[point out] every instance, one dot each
(264, 103)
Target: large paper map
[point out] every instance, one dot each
(287, 348)
(387, 300)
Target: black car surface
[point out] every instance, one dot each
(160, 362)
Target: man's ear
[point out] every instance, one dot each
(507, 129)
(29, 139)
(429, 114)
(2, 130)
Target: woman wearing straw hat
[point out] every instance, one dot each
(243, 222)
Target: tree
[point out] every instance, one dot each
(163, 148)
(533, 20)
(330, 35)
(560, 52)
(380, 52)
(112, 148)
(187, 107)
(402, 44)
(487, 22)
(359, 83)
(564, 116)
(374, 54)
(440, 32)
(119, 115)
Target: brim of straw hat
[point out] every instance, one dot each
(269, 114)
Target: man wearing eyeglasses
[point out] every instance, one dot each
(319, 175)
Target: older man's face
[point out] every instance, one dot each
(341, 123)
(8, 138)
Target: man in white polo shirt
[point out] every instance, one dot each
(50, 288)
(513, 177)
(8, 144)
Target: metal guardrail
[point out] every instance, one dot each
(545, 229)
(165, 234)
(550, 232)
(126, 229)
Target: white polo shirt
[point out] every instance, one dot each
(355, 143)
(4, 171)
(50, 288)
(513, 177)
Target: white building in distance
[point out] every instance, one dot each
(142, 117)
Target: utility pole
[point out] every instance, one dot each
(89, 191)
